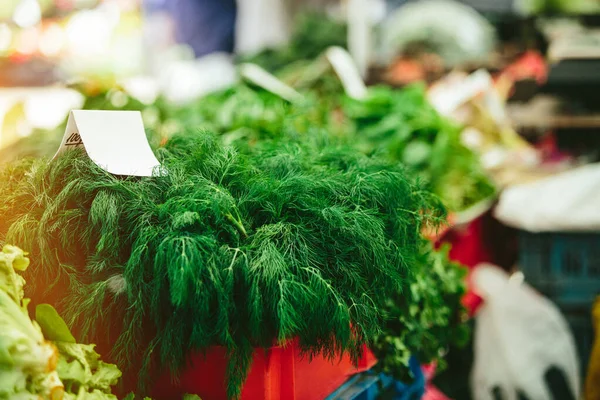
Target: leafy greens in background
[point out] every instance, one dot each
(399, 122)
(313, 34)
(404, 125)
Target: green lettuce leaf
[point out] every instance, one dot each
(79, 366)
(27, 360)
(53, 326)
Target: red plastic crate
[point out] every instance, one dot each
(280, 373)
(468, 247)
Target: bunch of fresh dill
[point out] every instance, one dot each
(305, 239)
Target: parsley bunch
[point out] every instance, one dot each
(427, 318)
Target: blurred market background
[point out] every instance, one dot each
(518, 79)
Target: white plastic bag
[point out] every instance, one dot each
(519, 335)
(565, 202)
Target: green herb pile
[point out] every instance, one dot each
(303, 239)
(313, 34)
(398, 124)
(403, 124)
(426, 319)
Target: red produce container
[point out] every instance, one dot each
(280, 373)
(482, 240)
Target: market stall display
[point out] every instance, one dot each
(298, 240)
(303, 222)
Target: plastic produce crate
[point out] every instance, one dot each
(366, 386)
(371, 385)
(565, 267)
(280, 373)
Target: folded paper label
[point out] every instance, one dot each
(264, 79)
(114, 140)
(346, 70)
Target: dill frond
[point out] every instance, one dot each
(241, 250)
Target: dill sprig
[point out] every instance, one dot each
(300, 240)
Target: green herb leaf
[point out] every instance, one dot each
(53, 326)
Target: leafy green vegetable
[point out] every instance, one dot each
(27, 361)
(314, 33)
(301, 239)
(53, 326)
(404, 125)
(13, 259)
(79, 367)
(30, 366)
(426, 319)
(82, 372)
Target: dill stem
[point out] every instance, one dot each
(238, 225)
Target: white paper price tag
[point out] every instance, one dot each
(114, 140)
(268, 81)
(346, 70)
